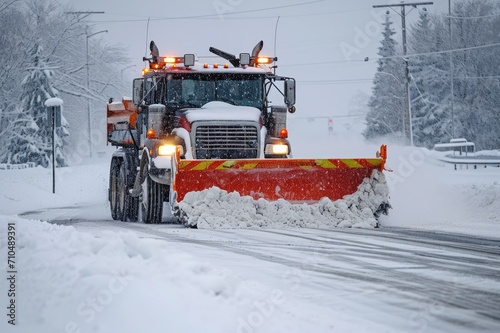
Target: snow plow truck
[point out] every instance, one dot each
(191, 126)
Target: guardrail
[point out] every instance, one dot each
(7, 166)
(471, 162)
(462, 155)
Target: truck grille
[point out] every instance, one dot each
(226, 141)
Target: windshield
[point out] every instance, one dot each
(198, 89)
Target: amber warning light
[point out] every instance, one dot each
(188, 60)
(151, 134)
(173, 60)
(264, 60)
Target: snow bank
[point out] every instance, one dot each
(428, 194)
(81, 191)
(70, 281)
(216, 208)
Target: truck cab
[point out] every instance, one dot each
(197, 111)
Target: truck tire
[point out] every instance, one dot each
(127, 207)
(122, 194)
(133, 208)
(151, 200)
(113, 187)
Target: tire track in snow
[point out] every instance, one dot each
(341, 246)
(397, 261)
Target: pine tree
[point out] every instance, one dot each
(46, 24)
(477, 90)
(11, 25)
(33, 144)
(386, 106)
(22, 147)
(429, 86)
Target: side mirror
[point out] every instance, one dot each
(290, 92)
(137, 91)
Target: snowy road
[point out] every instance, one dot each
(419, 281)
(439, 274)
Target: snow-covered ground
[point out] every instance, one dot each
(424, 193)
(69, 280)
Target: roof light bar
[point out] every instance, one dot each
(173, 60)
(264, 60)
(247, 60)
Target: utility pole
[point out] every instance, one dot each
(452, 81)
(408, 130)
(89, 120)
(88, 88)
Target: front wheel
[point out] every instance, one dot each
(151, 199)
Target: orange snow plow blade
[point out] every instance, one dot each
(294, 180)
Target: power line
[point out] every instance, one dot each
(338, 81)
(407, 114)
(493, 77)
(89, 125)
(328, 117)
(438, 52)
(215, 17)
(449, 16)
(368, 80)
(321, 63)
(211, 16)
(84, 12)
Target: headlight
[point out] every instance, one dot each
(279, 149)
(167, 150)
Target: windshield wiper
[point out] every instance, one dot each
(182, 104)
(188, 103)
(226, 100)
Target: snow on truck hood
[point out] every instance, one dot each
(223, 111)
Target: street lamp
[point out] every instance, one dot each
(123, 69)
(88, 87)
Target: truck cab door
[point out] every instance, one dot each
(137, 91)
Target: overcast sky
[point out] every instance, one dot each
(320, 43)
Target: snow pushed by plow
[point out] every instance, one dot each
(215, 208)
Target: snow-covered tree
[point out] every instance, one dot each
(386, 106)
(467, 55)
(62, 37)
(430, 83)
(33, 144)
(477, 70)
(11, 23)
